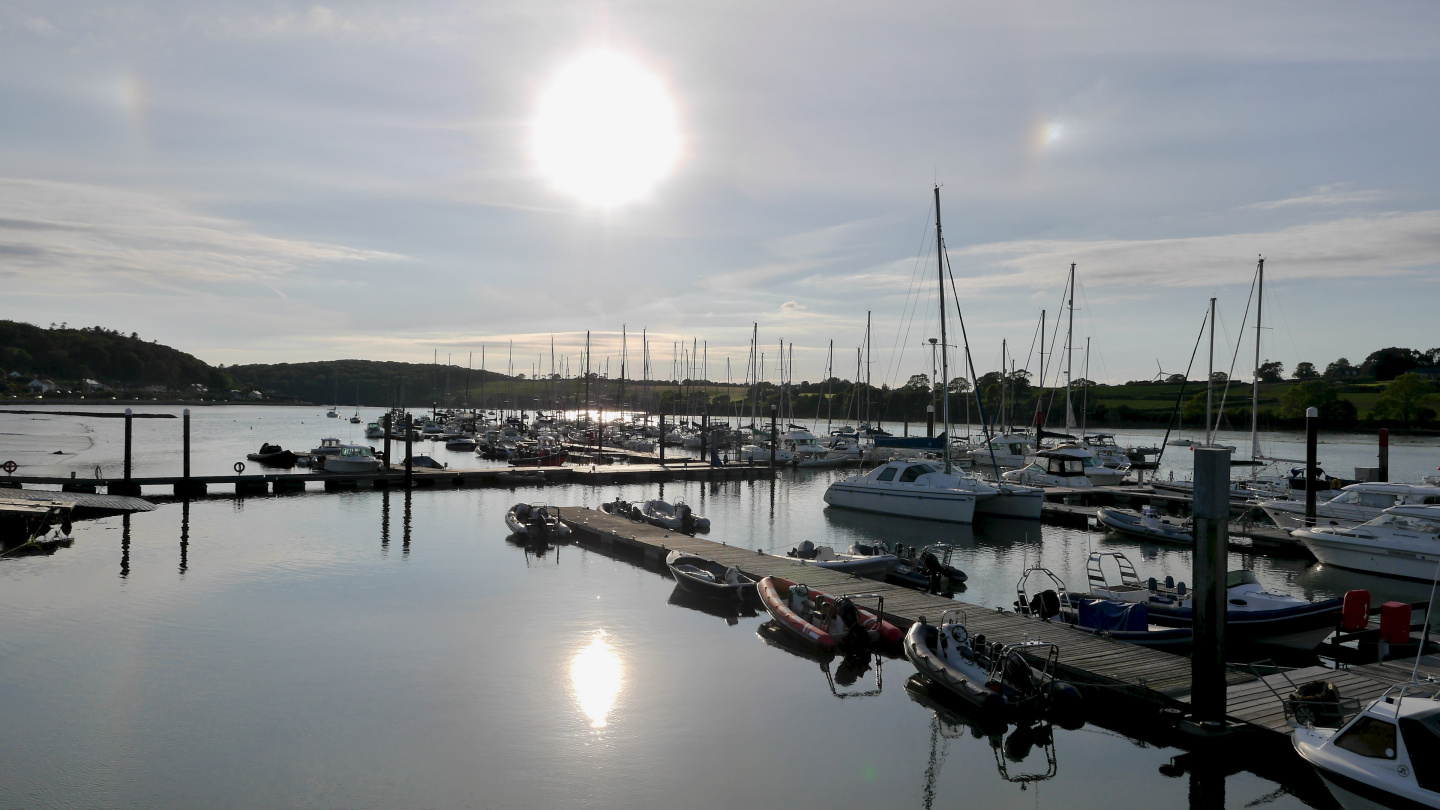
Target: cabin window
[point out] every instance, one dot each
(887, 474)
(1409, 523)
(1422, 742)
(1346, 497)
(1379, 500)
(913, 472)
(1369, 737)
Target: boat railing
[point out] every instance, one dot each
(1300, 708)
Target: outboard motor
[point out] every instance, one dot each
(855, 633)
(806, 550)
(687, 519)
(1045, 604)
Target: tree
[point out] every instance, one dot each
(1404, 398)
(1175, 378)
(1219, 377)
(919, 382)
(1272, 372)
(1389, 363)
(1339, 368)
(1305, 371)
(1320, 395)
(959, 385)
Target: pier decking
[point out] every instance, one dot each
(1152, 677)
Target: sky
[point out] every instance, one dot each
(281, 182)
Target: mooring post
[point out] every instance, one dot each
(774, 434)
(600, 437)
(1384, 454)
(1212, 539)
(186, 455)
(705, 435)
(1312, 469)
(385, 426)
(128, 415)
(906, 434)
(929, 421)
(662, 437)
(409, 457)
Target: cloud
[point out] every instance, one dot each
(791, 306)
(1334, 194)
(69, 233)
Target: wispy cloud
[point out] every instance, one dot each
(1323, 196)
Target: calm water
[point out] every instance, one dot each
(356, 650)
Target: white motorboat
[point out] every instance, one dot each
(862, 565)
(1066, 463)
(918, 489)
(803, 444)
(1050, 470)
(1404, 542)
(827, 460)
(1105, 450)
(535, 522)
(761, 453)
(1355, 504)
(1009, 451)
(328, 447)
(1386, 756)
(463, 443)
(374, 431)
(352, 458)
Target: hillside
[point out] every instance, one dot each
(97, 353)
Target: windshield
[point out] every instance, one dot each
(1409, 523)
(1240, 578)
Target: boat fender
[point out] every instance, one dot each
(732, 576)
(1169, 583)
(1152, 584)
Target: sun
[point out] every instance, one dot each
(606, 130)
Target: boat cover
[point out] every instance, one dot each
(1104, 614)
(912, 442)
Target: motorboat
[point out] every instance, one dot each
(273, 455)
(332, 414)
(822, 620)
(328, 447)
(1045, 470)
(1099, 616)
(432, 428)
(1403, 542)
(1145, 525)
(996, 678)
(1105, 450)
(1008, 451)
(352, 458)
(876, 565)
(424, 462)
(1355, 504)
(622, 508)
(912, 488)
(1385, 756)
(1253, 613)
(535, 521)
(708, 577)
(761, 453)
(374, 431)
(677, 517)
(831, 459)
(1099, 474)
(463, 443)
(929, 569)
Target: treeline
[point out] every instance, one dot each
(370, 382)
(70, 354)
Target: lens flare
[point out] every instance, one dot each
(596, 673)
(606, 130)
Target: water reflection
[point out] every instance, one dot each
(728, 609)
(597, 673)
(385, 522)
(405, 528)
(125, 547)
(184, 536)
(852, 667)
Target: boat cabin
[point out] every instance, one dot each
(1384, 496)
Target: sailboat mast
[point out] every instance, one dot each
(1040, 392)
(1085, 401)
(944, 346)
(1255, 386)
(1070, 350)
(1210, 379)
(868, 417)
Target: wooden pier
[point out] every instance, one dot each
(1114, 670)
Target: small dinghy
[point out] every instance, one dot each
(862, 565)
(928, 569)
(992, 677)
(1147, 525)
(535, 522)
(822, 620)
(622, 508)
(708, 577)
(1098, 616)
(677, 517)
(273, 455)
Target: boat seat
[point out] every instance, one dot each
(824, 553)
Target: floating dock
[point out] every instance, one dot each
(1137, 675)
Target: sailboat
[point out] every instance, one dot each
(355, 420)
(922, 489)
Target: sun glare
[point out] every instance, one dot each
(596, 674)
(605, 131)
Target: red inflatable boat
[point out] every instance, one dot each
(820, 619)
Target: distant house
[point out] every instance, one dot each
(254, 395)
(91, 385)
(39, 386)
(15, 375)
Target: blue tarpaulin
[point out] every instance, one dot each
(912, 442)
(1102, 614)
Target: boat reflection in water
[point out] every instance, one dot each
(597, 674)
(869, 528)
(847, 673)
(731, 610)
(952, 722)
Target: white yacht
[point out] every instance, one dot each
(352, 458)
(1404, 541)
(913, 488)
(1386, 756)
(803, 444)
(1066, 465)
(374, 431)
(1105, 450)
(761, 452)
(1355, 504)
(1009, 451)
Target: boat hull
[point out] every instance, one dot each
(773, 592)
(1027, 503)
(949, 507)
(704, 587)
(1120, 522)
(967, 685)
(1397, 563)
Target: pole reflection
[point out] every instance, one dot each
(125, 547)
(405, 528)
(184, 536)
(385, 523)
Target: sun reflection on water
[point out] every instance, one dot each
(597, 673)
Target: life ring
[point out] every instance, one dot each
(1336, 483)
